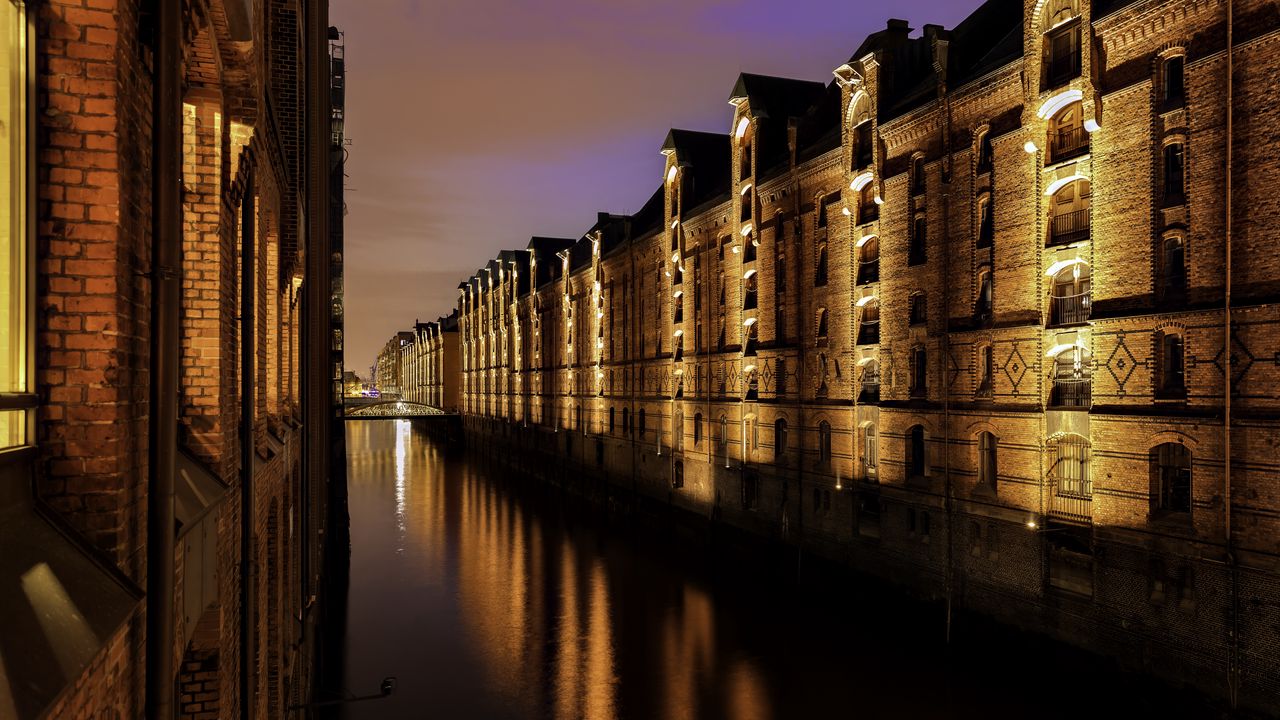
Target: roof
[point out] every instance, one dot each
(773, 102)
(706, 158)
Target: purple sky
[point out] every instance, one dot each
(475, 124)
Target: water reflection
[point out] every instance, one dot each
(492, 600)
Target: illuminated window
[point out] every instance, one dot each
(870, 452)
(1171, 380)
(1172, 86)
(15, 330)
(1067, 136)
(1062, 39)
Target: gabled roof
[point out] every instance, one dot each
(773, 102)
(544, 252)
(649, 218)
(706, 157)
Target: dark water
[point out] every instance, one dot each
(489, 598)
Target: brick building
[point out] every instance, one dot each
(165, 273)
(388, 369)
(427, 360)
(987, 315)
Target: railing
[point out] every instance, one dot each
(869, 332)
(1068, 143)
(1069, 309)
(1071, 499)
(868, 271)
(870, 392)
(1070, 393)
(1069, 227)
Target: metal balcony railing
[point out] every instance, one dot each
(1071, 499)
(1068, 143)
(1070, 393)
(1069, 227)
(868, 271)
(1069, 309)
(1062, 69)
(870, 392)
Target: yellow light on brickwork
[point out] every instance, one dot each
(865, 300)
(671, 174)
(746, 229)
(846, 212)
(749, 368)
(864, 240)
(749, 322)
(675, 224)
(860, 181)
(1058, 102)
(1091, 126)
(748, 274)
(743, 124)
(677, 294)
(678, 333)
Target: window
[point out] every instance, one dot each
(780, 274)
(919, 242)
(677, 475)
(744, 158)
(611, 420)
(822, 211)
(722, 441)
(1069, 210)
(917, 176)
(1061, 50)
(986, 370)
(749, 287)
(626, 421)
(1170, 478)
(750, 490)
(918, 309)
(15, 259)
(869, 324)
(1071, 382)
(1171, 376)
(986, 223)
(870, 452)
(1067, 137)
(1171, 82)
(750, 339)
(984, 309)
(1070, 302)
(1174, 175)
(870, 381)
(987, 460)
(746, 202)
(1070, 472)
(824, 443)
(822, 325)
(915, 452)
(868, 209)
(779, 439)
(862, 145)
(984, 153)
(697, 429)
(721, 285)
(919, 372)
(820, 269)
(753, 379)
(1173, 270)
(869, 261)
(640, 419)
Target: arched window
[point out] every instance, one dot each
(870, 382)
(750, 339)
(1170, 478)
(611, 420)
(744, 149)
(917, 176)
(1172, 85)
(915, 459)
(824, 443)
(984, 308)
(1062, 40)
(640, 421)
(1070, 301)
(722, 440)
(868, 209)
(1174, 176)
(1071, 381)
(918, 252)
(860, 122)
(984, 153)
(986, 370)
(918, 308)
(869, 324)
(822, 211)
(1173, 269)
(779, 439)
(1171, 379)
(869, 261)
(677, 475)
(987, 460)
(820, 268)
(1067, 137)
(753, 383)
(1069, 475)
(626, 421)
(870, 452)
(1069, 213)
(697, 429)
(677, 431)
(986, 223)
(822, 324)
(749, 286)
(919, 372)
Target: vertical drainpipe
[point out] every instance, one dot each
(166, 278)
(1233, 659)
(940, 67)
(247, 356)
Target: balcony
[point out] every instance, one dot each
(868, 271)
(1069, 227)
(1070, 393)
(1071, 499)
(870, 391)
(1067, 143)
(1069, 309)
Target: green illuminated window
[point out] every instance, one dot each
(15, 397)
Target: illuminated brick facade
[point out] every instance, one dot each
(956, 319)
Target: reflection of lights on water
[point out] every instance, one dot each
(402, 441)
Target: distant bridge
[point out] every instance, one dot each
(371, 408)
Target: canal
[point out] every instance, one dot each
(487, 597)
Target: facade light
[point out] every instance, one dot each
(1030, 147)
(1091, 126)
(746, 229)
(846, 212)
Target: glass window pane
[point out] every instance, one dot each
(13, 428)
(13, 169)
